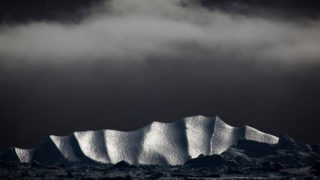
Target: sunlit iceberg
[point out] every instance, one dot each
(157, 143)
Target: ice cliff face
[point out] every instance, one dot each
(158, 143)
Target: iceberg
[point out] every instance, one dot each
(157, 143)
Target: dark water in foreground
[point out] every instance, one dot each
(125, 171)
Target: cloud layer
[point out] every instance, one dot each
(135, 30)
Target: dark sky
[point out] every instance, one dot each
(124, 64)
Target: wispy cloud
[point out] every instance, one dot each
(135, 30)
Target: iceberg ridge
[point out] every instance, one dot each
(157, 143)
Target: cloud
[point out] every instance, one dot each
(137, 30)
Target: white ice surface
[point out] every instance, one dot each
(24, 155)
(92, 145)
(65, 146)
(158, 143)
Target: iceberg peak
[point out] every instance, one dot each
(157, 143)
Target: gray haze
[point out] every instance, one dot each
(135, 61)
(135, 30)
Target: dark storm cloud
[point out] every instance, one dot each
(145, 60)
(134, 30)
(17, 11)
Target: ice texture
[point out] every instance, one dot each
(157, 143)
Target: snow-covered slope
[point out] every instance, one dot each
(158, 143)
